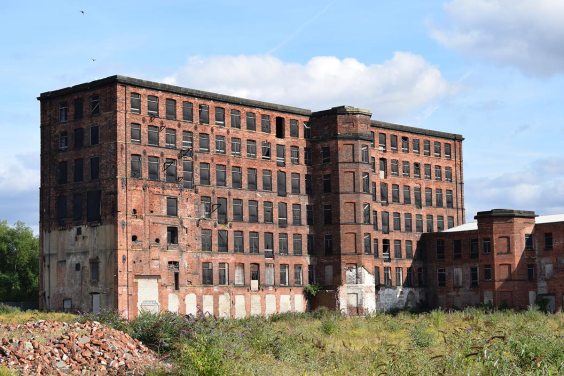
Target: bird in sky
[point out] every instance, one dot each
(83, 13)
(93, 59)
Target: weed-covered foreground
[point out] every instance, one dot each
(324, 343)
(467, 342)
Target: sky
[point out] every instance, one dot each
(491, 70)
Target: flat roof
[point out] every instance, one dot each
(473, 226)
(238, 101)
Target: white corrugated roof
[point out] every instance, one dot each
(538, 220)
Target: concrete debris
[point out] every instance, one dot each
(81, 349)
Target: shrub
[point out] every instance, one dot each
(422, 337)
(329, 326)
(4, 308)
(160, 331)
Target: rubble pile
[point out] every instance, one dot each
(88, 348)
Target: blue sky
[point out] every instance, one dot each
(492, 70)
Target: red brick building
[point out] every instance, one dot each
(508, 258)
(159, 197)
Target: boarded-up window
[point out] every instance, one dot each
(328, 274)
(61, 210)
(349, 182)
(504, 272)
(239, 274)
(349, 243)
(348, 153)
(503, 244)
(457, 277)
(269, 275)
(350, 212)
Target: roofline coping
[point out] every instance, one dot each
(506, 213)
(422, 131)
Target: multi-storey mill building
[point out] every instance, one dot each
(159, 197)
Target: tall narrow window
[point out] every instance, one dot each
(94, 135)
(207, 273)
(153, 106)
(236, 146)
(281, 183)
(78, 138)
(294, 130)
(204, 114)
(187, 111)
(236, 177)
(236, 119)
(265, 123)
(252, 179)
(135, 103)
(222, 241)
(136, 166)
(251, 121)
(170, 109)
(267, 180)
(94, 168)
(153, 167)
(78, 170)
(135, 133)
(188, 174)
(153, 135)
(204, 173)
(297, 244)
(170, 138)
(95, 105)
(220, 116)
(171, 172)
(295, 183)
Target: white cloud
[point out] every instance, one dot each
(19, 173)
(527, 34)
(394, 88)
(538, 187)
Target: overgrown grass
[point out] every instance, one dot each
(473, 341)
(13, 315)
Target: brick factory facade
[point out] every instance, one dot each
(158, 197)
(508, 258)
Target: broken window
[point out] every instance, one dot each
(237, 209)
(170, 109)
(188, 174)
(153, 135)
(366, 213)
(204, 142)
(207, 273)
(223, 273)
(220, 175)
(283, 244)
(78, 170)
(367, 241)
(153, 168)
(236, 177)
(294, 131)
(365, 182)
(441, 277)
(395, 167)
(280, 127)
(265, 123)
(253, 242)
(253, 211)
(284, 274)
(93, 206)
(172, 235)
(251, 121)
(94, 168)
(327, 214)
(280, 155)
(63, 141)
(364, 154)
(251, 149)
(236, 146)
(78, 138)
(171, 173)
(135, 103)
(238, 243)
(282, 214)
(268, 212)
(328, 244)
(95, 104)
(548, 242)
(204, 173)
(221, 210)
(473, 248)
(187, 111)
(153, 106)
(222, 240)
(265, 150)
(204, 114)
(135, 133)
(63, 112)
(172, 206)
(206, 240)
(220, 116)
(236, 119)
(170, 138)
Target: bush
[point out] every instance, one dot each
(109, 318)
(329, 326)
(160, 331)
(422, 337)
(4, 308)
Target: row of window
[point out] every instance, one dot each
(78, 107)
(93, 206)
(78, 170)
(503, 274)
(79, 137)
(438, 147)
(503, 245)
(235, 118)
(407, 172)
(254, 277)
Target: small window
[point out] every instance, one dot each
(153, 135)
(135, 103)
(204, 114)
(170, 138)
(153, 106)
(251, 121)
(94, 135)
(135, 133)
(236, 146)
(251, 149)
(187, 111)
(170, 109)
(172, 206)
(220, 116)
(170, 169)
(95, 105)
(204, 142)
(172, 235)
(63, 112)
(236, 119)
(294, 130)
(220, 144)
(207, 273)
(265, 123)
(136, 166)
(153, 168)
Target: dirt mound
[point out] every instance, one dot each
(54, 348)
